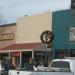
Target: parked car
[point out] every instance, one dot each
(1, 69)
(57, 67)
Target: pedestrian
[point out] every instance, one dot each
(31, 64)
(5, 66)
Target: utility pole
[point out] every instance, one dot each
(46, 38)
(73, 4)
(73, 7)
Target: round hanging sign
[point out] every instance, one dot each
(47, 37)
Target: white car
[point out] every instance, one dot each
(0, 66)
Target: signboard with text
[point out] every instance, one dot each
(6, 36)
(72, 34)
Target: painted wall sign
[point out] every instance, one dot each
(72, 34)
(6, 36)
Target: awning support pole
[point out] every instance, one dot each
(32, 54)
(20, 59)
(9, 55)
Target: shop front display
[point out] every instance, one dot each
(42, 57)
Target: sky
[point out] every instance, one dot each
(10, 10)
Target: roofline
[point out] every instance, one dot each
(11, 24)
(19, 50)
(61, 11)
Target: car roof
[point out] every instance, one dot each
(66, 59)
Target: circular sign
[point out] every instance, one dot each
(47, 37)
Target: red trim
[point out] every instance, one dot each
(22, 46)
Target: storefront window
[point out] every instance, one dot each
(40, 57)
(63, 53)
(73, 52)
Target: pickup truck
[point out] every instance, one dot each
(57, 67)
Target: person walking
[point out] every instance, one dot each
(5, 66)
(31, 64)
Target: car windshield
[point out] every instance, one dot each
(60, 64)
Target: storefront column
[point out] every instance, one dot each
(20, 59)
(9, 55)
(32, 54)
(53, 54)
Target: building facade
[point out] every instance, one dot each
(23, 39)
(24, 36)
(29, 28)
(7, 35)
(63, 27)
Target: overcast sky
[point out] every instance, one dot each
(10, 10)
